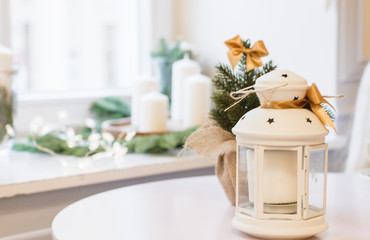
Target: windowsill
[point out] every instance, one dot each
(75, 104)
(41, 97)
(28, 173)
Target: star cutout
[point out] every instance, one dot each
(271, 120)
(295, 98)
(284, 75)
(308, 120)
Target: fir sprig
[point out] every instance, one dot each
(329, 110)
(226, 81)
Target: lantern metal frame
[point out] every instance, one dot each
(304, 222)
(307, 161)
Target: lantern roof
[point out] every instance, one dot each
(278, 77)
(280, 127)
(290, 86)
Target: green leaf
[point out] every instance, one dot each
(25, 147)
(53, 142)
(159, 143)
(110, 107)
(76, 151)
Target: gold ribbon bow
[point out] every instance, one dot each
(254, 54)
(314, 98)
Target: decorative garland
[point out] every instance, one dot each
(55, 140)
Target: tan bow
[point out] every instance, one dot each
(313, 97)
(254, 54)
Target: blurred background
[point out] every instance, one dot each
(71, 52)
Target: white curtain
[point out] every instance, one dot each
(359, 150)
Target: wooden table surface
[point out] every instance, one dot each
(196, 208)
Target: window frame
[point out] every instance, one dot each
(76, 103)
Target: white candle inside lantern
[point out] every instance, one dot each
(197, 100)
(143, 85)
(180, 71)
(280, 166)
(153, 112)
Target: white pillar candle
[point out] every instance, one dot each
(197, 100)
(143, 85)
(280, 177)
(153, 112)
(279, 180)
(180, 70)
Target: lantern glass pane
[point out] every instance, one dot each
(246, 180)
(316, 180)
(280, 181)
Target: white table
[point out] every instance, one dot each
(196, 208)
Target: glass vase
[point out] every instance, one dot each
(164, 72)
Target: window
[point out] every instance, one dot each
(74, 44)
(73, 52)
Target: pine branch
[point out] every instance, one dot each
(228, 119)
(226, 81)
(247, 43)
(329, 111)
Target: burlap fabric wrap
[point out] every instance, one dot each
(211, 140)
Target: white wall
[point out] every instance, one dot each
(4, 23)
(300, 35)
(156, 20)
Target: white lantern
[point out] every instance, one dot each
(281, 165)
